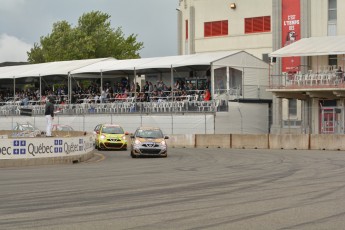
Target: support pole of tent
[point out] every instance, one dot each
(69, 89)
(227, 79)
(135, 85)
(101, 81)
(212, 81)
(14, 88)
(172, 83)
(40, 87)
(242, 88)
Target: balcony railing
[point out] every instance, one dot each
(299, 80)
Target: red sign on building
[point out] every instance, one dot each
(291, 32)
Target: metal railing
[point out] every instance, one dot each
(121, 108)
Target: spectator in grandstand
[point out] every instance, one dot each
(150, 87)
(339, 73)
(103, 97)
(137, 88)
(207, 95)
(25, 100)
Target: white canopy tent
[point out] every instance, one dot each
(313, 46)
(200, 61)
(157, 63)
(204, 61)
(45, 69)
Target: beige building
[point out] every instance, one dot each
(223, 25)
(308, 94)
(308, 91)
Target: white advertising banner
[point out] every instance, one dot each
(29, 148)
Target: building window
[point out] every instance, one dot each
(332, 17)
(217, 28)
(332, 60)
(293, 107)
(257, 24)
(332, 10)
(186, 29)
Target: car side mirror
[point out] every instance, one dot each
(166, 137)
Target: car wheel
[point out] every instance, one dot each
(133, 155)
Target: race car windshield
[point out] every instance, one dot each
(149, 134)
(113, 130)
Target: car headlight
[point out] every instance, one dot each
(102, 137)
(163, 143)
(124, 137)
(137, 142)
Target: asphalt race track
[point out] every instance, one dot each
(191, 189)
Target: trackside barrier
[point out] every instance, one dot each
(20, 151)
(289, 141)
(181, 140)
(249, 141)
(213, 140)
(327, 142)
(259, 141)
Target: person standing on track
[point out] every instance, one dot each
(49, 114)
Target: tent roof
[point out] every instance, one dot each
(144, 65)
(313, 46)
(156, 63)
(112, 65)
(45, 69)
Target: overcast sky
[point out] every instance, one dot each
(23, 22)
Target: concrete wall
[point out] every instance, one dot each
(249, 141)
(181, 140)
(212, 141)
(327, 142)
(289, 141)
(259, 141)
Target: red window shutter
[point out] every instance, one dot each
(248, 25)
(207, 29)
(217, 28)
(267, 24)
(258, 24)
(186, 29)
(225, 27)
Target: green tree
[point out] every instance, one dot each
(93, 37)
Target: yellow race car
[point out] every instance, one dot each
(110, 136)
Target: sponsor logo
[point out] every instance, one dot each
(19, 147)
(59, 146)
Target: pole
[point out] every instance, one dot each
(135, 85)
(172, 82)
(101, 81)
(69, 88)
(14, 88)
(212, 81)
